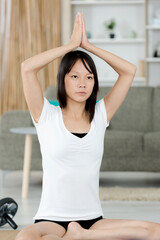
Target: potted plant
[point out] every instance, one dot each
(110, 26)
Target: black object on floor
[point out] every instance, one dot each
(8, 209)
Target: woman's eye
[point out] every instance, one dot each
(74, 76)
(89, 77)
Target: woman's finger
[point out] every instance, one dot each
(83, 24)
(84, 40)
(77, 30)
(84, 27)
(76, 20)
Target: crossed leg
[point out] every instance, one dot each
(104, 229)
(115, 229)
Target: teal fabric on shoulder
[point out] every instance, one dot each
(56, 103)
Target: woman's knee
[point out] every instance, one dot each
(28, 233)
(154, 232)
(39, 230)
(148, 230)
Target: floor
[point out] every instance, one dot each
(148, 211)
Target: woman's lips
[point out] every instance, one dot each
(81, 93)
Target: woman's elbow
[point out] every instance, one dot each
(26, 67)
(133, 70)
(23, 66)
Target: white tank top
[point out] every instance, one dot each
(70, 186)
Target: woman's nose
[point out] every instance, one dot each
(82, 82)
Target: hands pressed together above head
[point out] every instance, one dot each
(79, 36)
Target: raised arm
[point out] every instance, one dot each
(30, 67)
(125, 69)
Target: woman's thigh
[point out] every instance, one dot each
(40, 229)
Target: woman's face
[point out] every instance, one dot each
(79, 80)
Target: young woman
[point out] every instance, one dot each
(71, 137)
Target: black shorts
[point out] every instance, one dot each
(84, 223)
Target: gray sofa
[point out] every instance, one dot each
(132, 141)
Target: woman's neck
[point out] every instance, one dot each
(77, 115)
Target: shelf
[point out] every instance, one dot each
(153, 60)
(111, 80)
(99, 2)
(117, 40)
(152, 27)
(139, 79)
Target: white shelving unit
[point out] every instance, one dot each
(117, 40)
(152, 33)
(153, 60)
(110, 81)
(151, 27)
(129, 15)
(131, 49)
(107, 2)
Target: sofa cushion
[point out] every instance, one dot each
(103, 91)
(51, 93)
(152, 144)
(123, 144)
(156, 109)
(137, 164)
(135, 113)
(13, 119)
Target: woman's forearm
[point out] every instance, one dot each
(39, 61)
(120, 65)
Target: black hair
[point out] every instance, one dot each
(66, 64)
